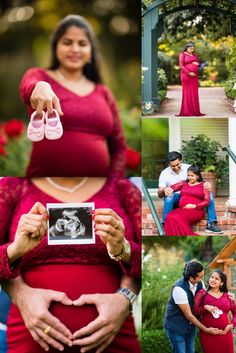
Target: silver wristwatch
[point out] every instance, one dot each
(128, 293)
(126, 251)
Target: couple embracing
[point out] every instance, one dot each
(191, 305)
(185, 198)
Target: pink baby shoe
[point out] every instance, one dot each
(35, 130)
(53, 127)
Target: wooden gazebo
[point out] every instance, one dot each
(226, 260)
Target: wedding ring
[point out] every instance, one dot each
(117, 225)
(47, 329)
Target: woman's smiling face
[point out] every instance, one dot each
(215, 281)
(190, 50)
(74, 49)
(192, 178)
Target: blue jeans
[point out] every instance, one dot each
(181, 343)
(3, 341)
(171, 202)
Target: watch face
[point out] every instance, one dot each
(127, 247)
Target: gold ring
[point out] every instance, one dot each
(117, 225)
(47, 329)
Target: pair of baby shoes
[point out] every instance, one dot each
(49, 127)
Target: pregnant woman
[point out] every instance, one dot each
(80, 284)
(188, 63)
(193, 198)
(214, 306)
(92, 143)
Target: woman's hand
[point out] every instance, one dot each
(195, 63)
(210, 308)
(190, 205)
(34, 304)
(113, 309)
(43, 97)
(30, 231)
(110, 227)
(192, 74)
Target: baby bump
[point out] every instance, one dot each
(74, 280)
(221, 322)
(184, 200)
(75, 153)
(192, 68)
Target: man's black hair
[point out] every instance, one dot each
(192, 269)
(172, 156)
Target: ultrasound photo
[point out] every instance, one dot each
(70, 223)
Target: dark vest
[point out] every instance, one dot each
(174, 319)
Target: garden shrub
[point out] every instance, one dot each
(162, 82)
(155, 341)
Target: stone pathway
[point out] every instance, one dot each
(213, 103)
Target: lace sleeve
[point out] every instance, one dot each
(10, 189)
(181, 63)
(233, 310)
(198, 308)
(116, 141)
(28, 82)
(131, 201)
(178, 186)
(206, 200)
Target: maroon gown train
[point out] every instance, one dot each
(178, 221)
(215, 343)
(190, 99)
(73, 269)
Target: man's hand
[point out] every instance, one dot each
(168, 191)
(34, 306)
(227, 329)
(207, 186)
(214, 331)
(113, 309)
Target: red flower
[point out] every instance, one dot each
(14, 128)
(3, 140)
(133, 158)
(2, 151)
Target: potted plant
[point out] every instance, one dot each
(202, 151)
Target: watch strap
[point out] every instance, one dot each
(128, 293)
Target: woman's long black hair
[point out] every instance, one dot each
(91, 69)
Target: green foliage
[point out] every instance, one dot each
(231, 61)
(162, 84)
(200, 150)
(15, 161)
(162, 79)
(231, 64)
(155, 341)
(229, 88)
(156, 286)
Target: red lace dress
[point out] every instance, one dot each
(190, 99)
(74, 269)
(178, 221)
(92, 143)
(218, 343)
